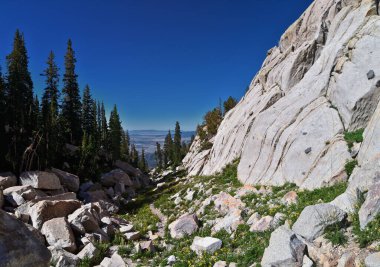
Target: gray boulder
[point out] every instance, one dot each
(59, 234)
(185, 225)
(114, 177)
(19, 246)
(41, 180)
(284, 249)
(68, 180)
(205, 245)
(373, 260)
(46, 210)
(371, 206)
(7, 179)
(115, 261)
(85, 219)
(89, 252)
(314, 219)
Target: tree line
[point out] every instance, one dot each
(36, 135)
(173, 150)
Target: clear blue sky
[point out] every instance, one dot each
(158, 60)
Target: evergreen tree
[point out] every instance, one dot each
(158, 154)
(229, 104)
(115, 134)
(3, 139)
(143, 165)
(177, 155)
(95, 128)
(50, 113)
(88, 119)
(125, 146)
(213, 119)
(71, 106)
(103, 128)
(19, 99)
(134, 156)
(168, 150)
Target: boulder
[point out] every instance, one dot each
(89, 252)
(255, 217)
(62, 258)
(68, 180)
(126, 228)
(290, 198)
(95, 196)
(147, 246)
(1, 198)
(132, 235)
(59, 234)
(37, 233)
(85, 219)
(115, 261)
(114, 177)
(245, 190)
(19, 246)
(284, 249)
(126, 167)
(307, 262)
(371, 206)
(314, 219)
(262, 225)
(46, 210)
(373, 260)
(184, 225)
(230, 222)
(171, 260)
(7, 179)
(205, 245)
(225, 203)
(41, 180)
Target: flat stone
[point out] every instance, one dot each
(206, 244)
(89, 252)
(41, 180)
(132, 236)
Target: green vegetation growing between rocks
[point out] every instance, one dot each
(335, 234)
(350, 166)
(353, 137)
(142, 219)
(271, 204)
(369, 234)
(102, 248)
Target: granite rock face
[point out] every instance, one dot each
(320, 81)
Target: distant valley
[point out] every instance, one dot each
(147, 139)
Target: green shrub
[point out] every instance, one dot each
(335, 233)
(369, 234)
(206, 145)
(350, 166)
(353, 137)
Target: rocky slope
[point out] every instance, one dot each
(321, 81)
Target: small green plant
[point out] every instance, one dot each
(353, 137)
(369, 234)
(335, 234)
(206, 145)
(350, 166)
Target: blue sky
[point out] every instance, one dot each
(158, 60)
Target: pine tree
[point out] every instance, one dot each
(158, 154)
(88, 119)
(95, 128)
(125, 146)
(168, 150)
(71, 106)
(104, 140)
(134, 156)
(229, 104)
(115, 134)
(19, 99)
(50, 113)
(143, 165)
(3, 139)
(177, 155)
